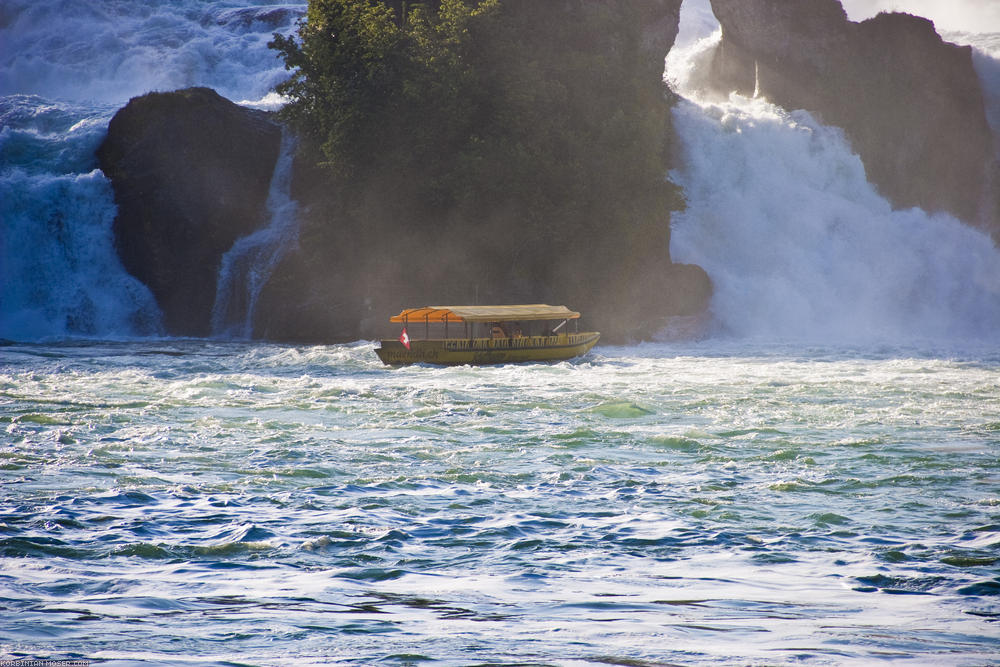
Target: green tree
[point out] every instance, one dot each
(370, 89)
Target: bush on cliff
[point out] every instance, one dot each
(521, 144)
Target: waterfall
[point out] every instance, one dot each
(798, 243)
(59, 274)
(246, 267)
(65, 68)
(780, 212)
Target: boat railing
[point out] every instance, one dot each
(510, 343)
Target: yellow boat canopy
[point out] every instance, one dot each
(538, 311)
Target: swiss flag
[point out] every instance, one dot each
(404, 338)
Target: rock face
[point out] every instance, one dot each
(660, 21)
(910, 103)
(190, 172)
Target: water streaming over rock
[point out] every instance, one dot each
(65, 68)
(798, 243)
(246, 267)
(59, 273)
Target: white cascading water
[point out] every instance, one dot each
(106, 51)
(986, 58)
(59, 273)
(246, 267)
(65, 68)
(798, 243)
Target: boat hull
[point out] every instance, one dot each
(452, 352)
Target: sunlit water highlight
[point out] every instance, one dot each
(194, 502)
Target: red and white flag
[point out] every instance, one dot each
(404, 338)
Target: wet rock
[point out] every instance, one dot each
(190, 172)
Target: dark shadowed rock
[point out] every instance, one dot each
(910, 103)
(660, 21)
(190, 172)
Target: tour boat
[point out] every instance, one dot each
(453, 335)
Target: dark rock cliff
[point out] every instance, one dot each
(190, 172)
(910, 103)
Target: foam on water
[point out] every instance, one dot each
(799, 244)
(697, 504)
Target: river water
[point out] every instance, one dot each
(192, 502)
(740, 500)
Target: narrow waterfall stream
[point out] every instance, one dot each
(246, 267)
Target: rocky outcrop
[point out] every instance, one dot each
(190, 172)
(910, 103)
(660, 22)
(365, 259)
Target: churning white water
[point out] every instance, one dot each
(59, 273)
(208, 503)
(110, 50)
(798, 243)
